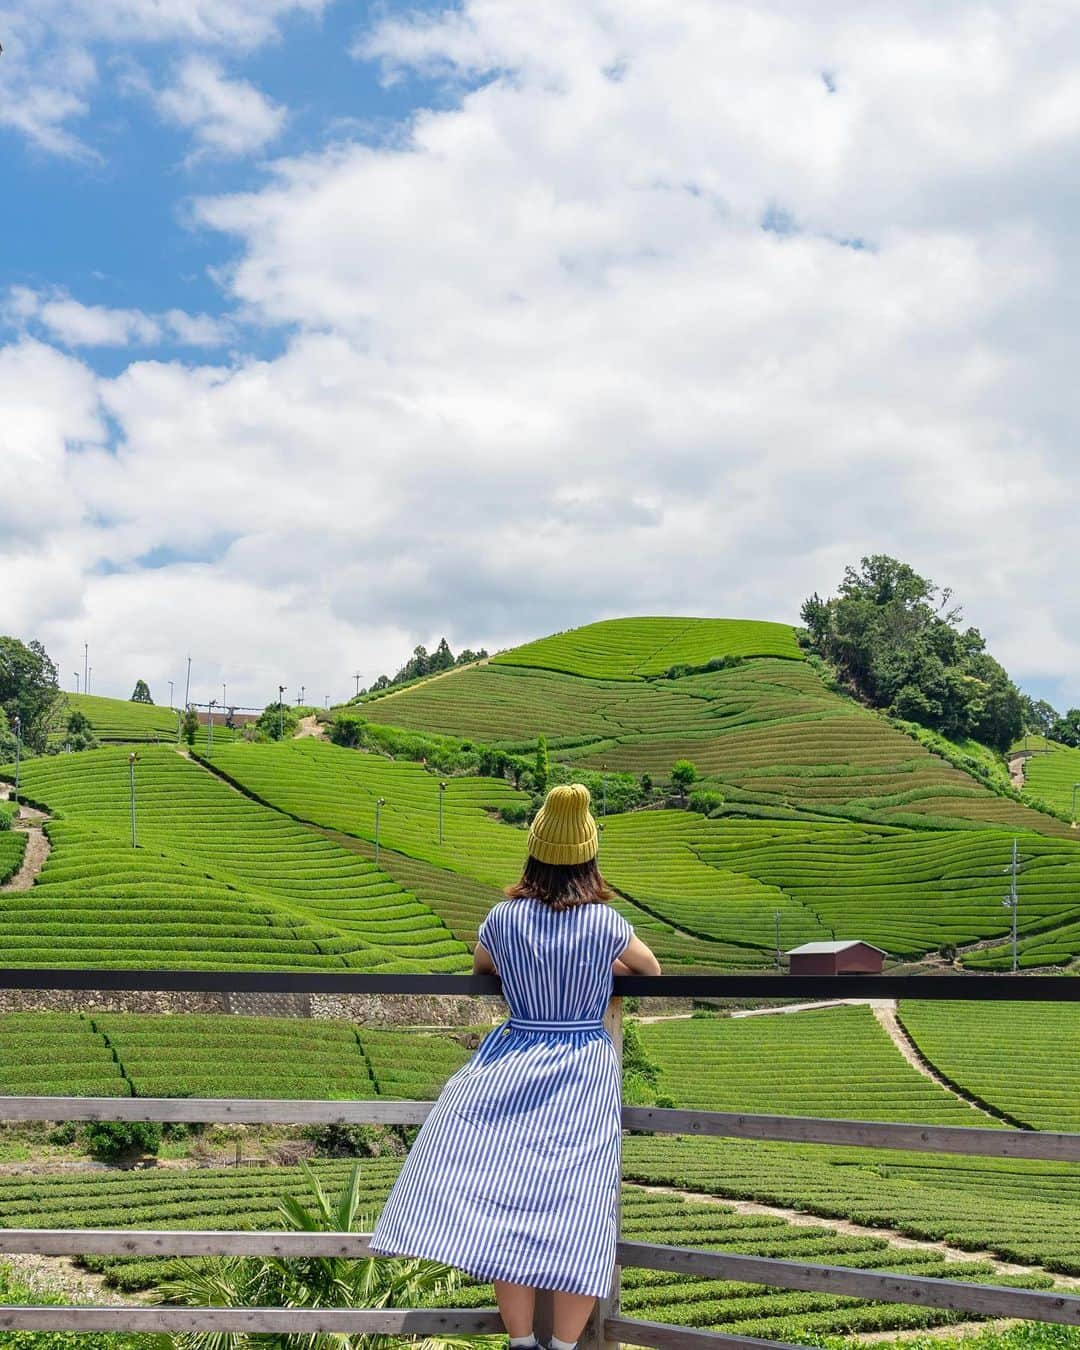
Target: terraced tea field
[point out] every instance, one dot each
(212, 1055)
(240, 1197)
(831, 1062)
(767, 732)
(1020, 1058)
(217, 881)
(339, 788)
(631, 649)
(908, 891)
(12, 847)
(1052, 774)
(1027, 1212)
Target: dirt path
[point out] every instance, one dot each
(310, 726)
(29, 821)
(1016, 770)
(796, 1217)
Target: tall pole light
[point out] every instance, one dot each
(76, 674)
(224, 700)
(380, 802)
(356, 677)
(131, 775)
(603, 790)
(281, 710)
(1075, 787)
(89, 672)
(170, 693)
(210, 725)
(179, 721)
(187, 684)
(86, 667)
(442, 793)
(776, 918)
(18, 751)
(1012, 901)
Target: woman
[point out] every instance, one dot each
(514, 1175)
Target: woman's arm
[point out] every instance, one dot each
(636, 959)
(482, 963)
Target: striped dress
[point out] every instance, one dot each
(514, 1175)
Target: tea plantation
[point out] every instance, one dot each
(1020, 1058)
(1053, 773)
(243, 1197)
(831, 1062)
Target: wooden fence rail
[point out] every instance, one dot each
(607, 1326)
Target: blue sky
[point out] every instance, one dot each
(327, 329)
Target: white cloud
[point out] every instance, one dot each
(226, 116)
(75, 324)
(548, 366)
(49, 72)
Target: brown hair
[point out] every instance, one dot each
(561, 886)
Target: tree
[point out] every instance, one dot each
(189, 727)
(894, 638)
(80, 732)
(278, 721)
(542, 771)
(1039, 716)
(142, 693)
(683, 775)
(1067, 729)
(29, 690)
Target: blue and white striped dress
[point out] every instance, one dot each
(514, 1175)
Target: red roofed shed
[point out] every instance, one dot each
(852, 957)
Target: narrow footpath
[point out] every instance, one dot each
(30, 821)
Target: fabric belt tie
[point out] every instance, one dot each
(525, 1024)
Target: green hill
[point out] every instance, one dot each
(634, 649)
(767, 732)
(1052, 773)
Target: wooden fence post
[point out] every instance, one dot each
(593, 1338)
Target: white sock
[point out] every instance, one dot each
(556, 1344)
(516, 1341)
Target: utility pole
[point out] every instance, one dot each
(380, 802)
(187, 686)
(86, 667)
(18, 751)
(356, 677)
(210, 725)
(281, 710)
(1012, 901)
(442, 793)
(224, 700)
(76, 674)
(170, 693)
(89, 672)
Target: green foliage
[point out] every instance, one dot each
(112, 1140)
(29, 690)
(277, 721)
(706, 801)
(1038, 715)
(141, 692)
(1067, 729)
(1051, 775)
(891, 634)
(542, 770)
(189, 726)
(340, 1140)
(421, 664)
(14, 1292)
(80, 732)
(683, 775)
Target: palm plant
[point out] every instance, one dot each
(313, 1282)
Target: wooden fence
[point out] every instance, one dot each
(607, 1327)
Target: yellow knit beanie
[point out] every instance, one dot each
(564, 831)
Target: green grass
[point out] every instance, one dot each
(631, 649)
(1021, 1058)
(832, 1062)
(116, 720)
(217, 881)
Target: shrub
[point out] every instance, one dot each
(113, 1139)
(706, 801)
(683, 774)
